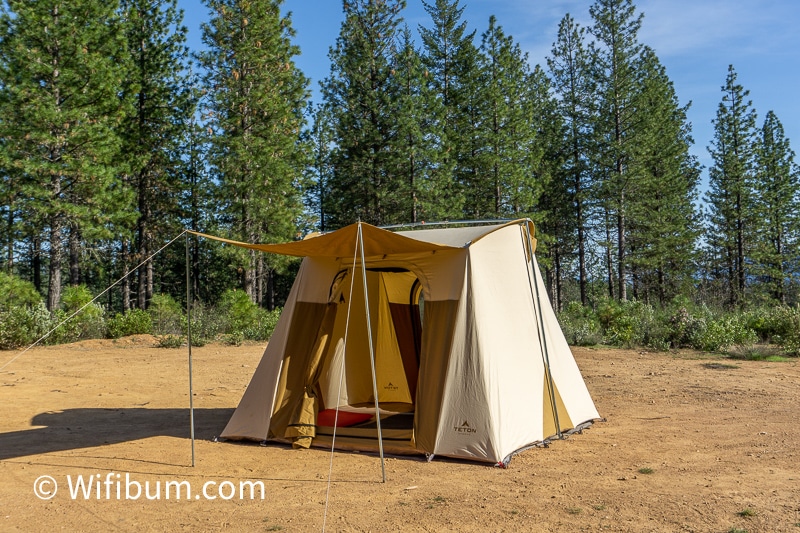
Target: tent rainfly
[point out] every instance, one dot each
(429, 341)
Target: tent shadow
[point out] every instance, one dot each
(86, 428)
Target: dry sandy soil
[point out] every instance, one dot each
(688, 443)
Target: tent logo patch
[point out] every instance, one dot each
(390, 387)
(464, 429)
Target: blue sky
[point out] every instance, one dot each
(696, 40)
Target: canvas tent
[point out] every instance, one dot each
(445, 333)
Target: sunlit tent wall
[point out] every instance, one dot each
(470, 361)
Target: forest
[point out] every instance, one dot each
(115, 137)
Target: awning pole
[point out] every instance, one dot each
(360, 243)
(537, 305)
(189, 343)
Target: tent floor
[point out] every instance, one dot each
(397, 430)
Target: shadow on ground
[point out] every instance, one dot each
(85, 428)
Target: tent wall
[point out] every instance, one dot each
(493, 404)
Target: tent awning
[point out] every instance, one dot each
(377, 241)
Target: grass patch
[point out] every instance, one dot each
(646, 470)
(574, 510)
(720, 366)
(746, 512)
(170, 341)
(737, 530)
(599, 507)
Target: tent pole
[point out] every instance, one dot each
(360, 242)
(189, 344)
(542, 334)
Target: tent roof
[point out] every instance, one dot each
(377, 241)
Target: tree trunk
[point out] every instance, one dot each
(609, 259)
(74, 255)
(56, 255)
(126, 279)
(623, 293)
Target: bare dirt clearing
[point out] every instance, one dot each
(688, 444)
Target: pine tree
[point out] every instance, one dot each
(359, 94)
(255, 112)
(569, 70)
(663, 227)
(504, 129)
(321, 136)
(777, 208)
(62, 70)
(158, 89)
(615, 28)
(452, 60)
(730, 194)
(418, 160)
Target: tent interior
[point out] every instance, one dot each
(342, 382)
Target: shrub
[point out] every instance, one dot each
(580, 325)
(721, 333)
(787, 329)
(170, 341)
(264, 327)
(87, 324)
(238, 310)
(166, 315)
(15, 292)
(133, 322)
(207, 323)
(22, 326)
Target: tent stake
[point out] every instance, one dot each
(360, 242)
(189, 343)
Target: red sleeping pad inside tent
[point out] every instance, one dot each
(345, 419)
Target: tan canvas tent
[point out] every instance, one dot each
(467, 359)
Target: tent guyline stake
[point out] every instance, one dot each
(73, 315)
(189, 344)
(537, 305)
(371, 353)
(339, 388)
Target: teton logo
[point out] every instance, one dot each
(390, 387)
(464, 428)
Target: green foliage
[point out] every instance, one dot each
(170, 341)
(88, 323)
(681, 325)
(167, 315)
(239, 311)
(722, 332)
(22, 326)
(132, 322)
(15, 292)
(265, 325)
(580, 325)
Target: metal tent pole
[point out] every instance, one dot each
(360, 242)
(537, 305)
(189, 343)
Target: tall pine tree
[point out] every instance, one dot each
(569, 70)
(663, 226)
(160, 96)
(730, 195)
(616, 54)
(777, 208)
(255, 112)
(62, 71)
(359, 93)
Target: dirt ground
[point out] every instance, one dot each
(688, 443)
